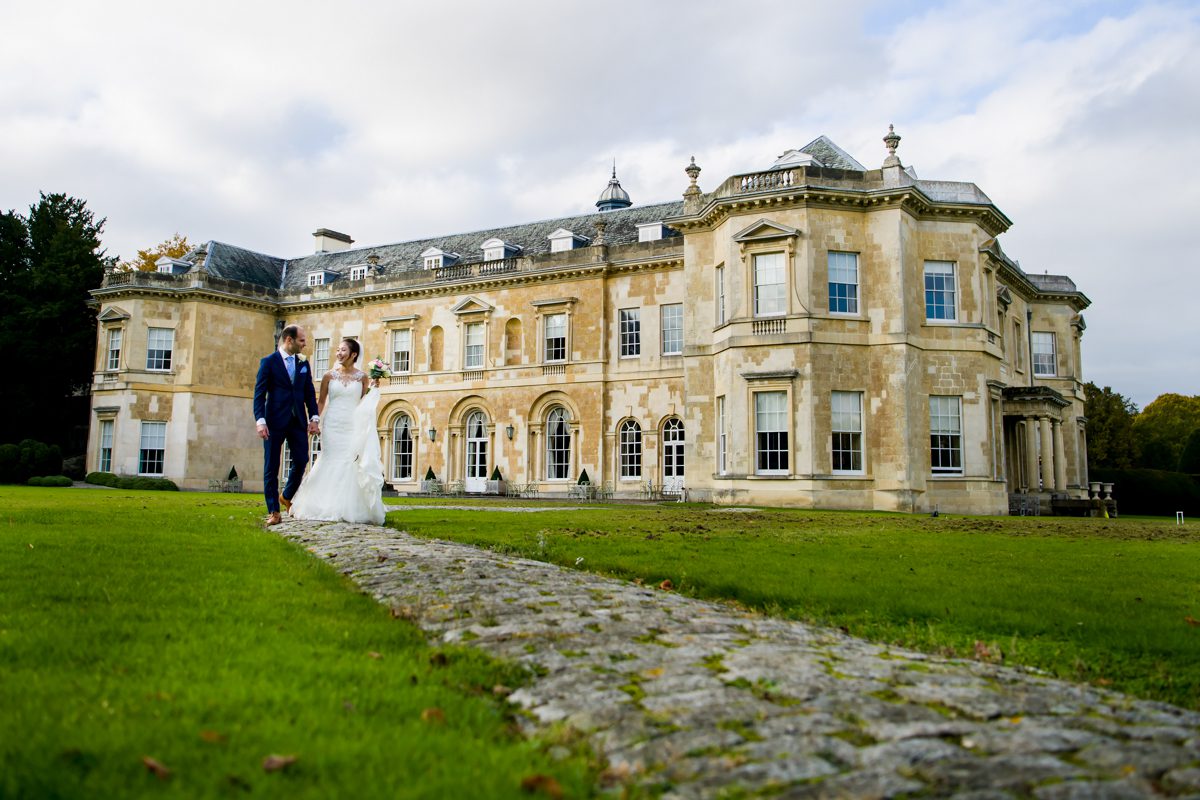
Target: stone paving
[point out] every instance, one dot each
(695, 699)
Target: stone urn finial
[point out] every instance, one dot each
(692, 194)
(891, 141)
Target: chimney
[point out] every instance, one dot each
(328, 241)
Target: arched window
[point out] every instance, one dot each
(631, 450)
(558, 445)
(402, 449)
(477, 451)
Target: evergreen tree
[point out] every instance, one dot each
(1189, 462)
(1163, 428)
(48, 263)
(1110, 440)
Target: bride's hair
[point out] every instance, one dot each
(354, 348)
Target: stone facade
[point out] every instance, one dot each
(815, 334)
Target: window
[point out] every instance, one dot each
(1018, 347)
(631, 332)
(843, 283)
(433, 262)
(558, 446)
(945, 435)
(314, 448)
(358, 273)
(159, 343)
(104, 463)
(556, 337)
(722, 438)
(770, 297)
(1045, 356)
(650, 231)
(672, 329)
(631, 450)
(771, 433)
(153, 448)
(847, 431)
(402, 350)
(114, 349)
(673, 453)
(320, 357)
(940, 293)
(402, 449)
(316, 279)
(473, 345)
(720, 295)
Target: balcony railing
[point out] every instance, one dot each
(460, 272)
(554, 369)
(472, 375)
(762, 181)
(767, 327)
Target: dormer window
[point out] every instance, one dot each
(436, 258)
(316, 279)
(171, 266)
(562, 240)
(496, 249)
(650, 231)
(358, 273)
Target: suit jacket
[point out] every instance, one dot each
(277, 398)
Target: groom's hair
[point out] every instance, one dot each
(290, 332)
(354, 348)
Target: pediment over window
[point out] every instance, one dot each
(765, 230)
(472, 305)
(113, 314)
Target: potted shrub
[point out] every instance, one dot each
(431, 485)
(496, 484)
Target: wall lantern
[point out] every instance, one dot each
(432, 434)
(508, 431)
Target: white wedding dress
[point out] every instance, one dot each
(346, 482)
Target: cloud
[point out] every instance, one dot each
(257, 123)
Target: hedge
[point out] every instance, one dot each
(50, 480)
(20, 462)
(121, 482)
(1152, 492)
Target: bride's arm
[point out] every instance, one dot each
(366, 384)
(324, 394)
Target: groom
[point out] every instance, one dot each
(285, 409)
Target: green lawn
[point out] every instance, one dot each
(171, 626)
(1116, 602)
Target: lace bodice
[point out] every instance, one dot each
(345, 378)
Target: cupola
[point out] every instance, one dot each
(613, 196)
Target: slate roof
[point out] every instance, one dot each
(239, 264)
(1051, 283)
(824, 150)
(953, 192)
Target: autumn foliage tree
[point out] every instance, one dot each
(175, 247)
(1163, 428)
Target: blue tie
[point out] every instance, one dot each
(291, 368)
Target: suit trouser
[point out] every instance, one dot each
(296, 435)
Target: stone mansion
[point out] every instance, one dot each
(813, 334)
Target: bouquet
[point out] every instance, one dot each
(377, 369)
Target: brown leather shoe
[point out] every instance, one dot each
(273, 518)
(287, 504)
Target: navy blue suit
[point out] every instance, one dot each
(287, 406)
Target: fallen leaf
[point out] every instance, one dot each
(433, 715)
(1192, 621)
(274, 763)
(375, 655)
(542, 783)
(212, 736)
(159, 769)
(500, 690)
(666, 585)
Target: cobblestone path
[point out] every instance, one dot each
(698, 698)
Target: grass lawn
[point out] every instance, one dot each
(170, 626)
(1115, 602)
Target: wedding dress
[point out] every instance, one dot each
(346, 481)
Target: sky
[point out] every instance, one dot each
(255, 122)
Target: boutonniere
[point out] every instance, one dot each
(302, 358)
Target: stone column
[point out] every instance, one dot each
(1031, 460)
(1060, 458)
(1047, 452)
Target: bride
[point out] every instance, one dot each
(346, 480)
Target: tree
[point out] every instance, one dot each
(1110, 440)
(1163, 428)
(175, 247)
(49, 261)
(1189, 461)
